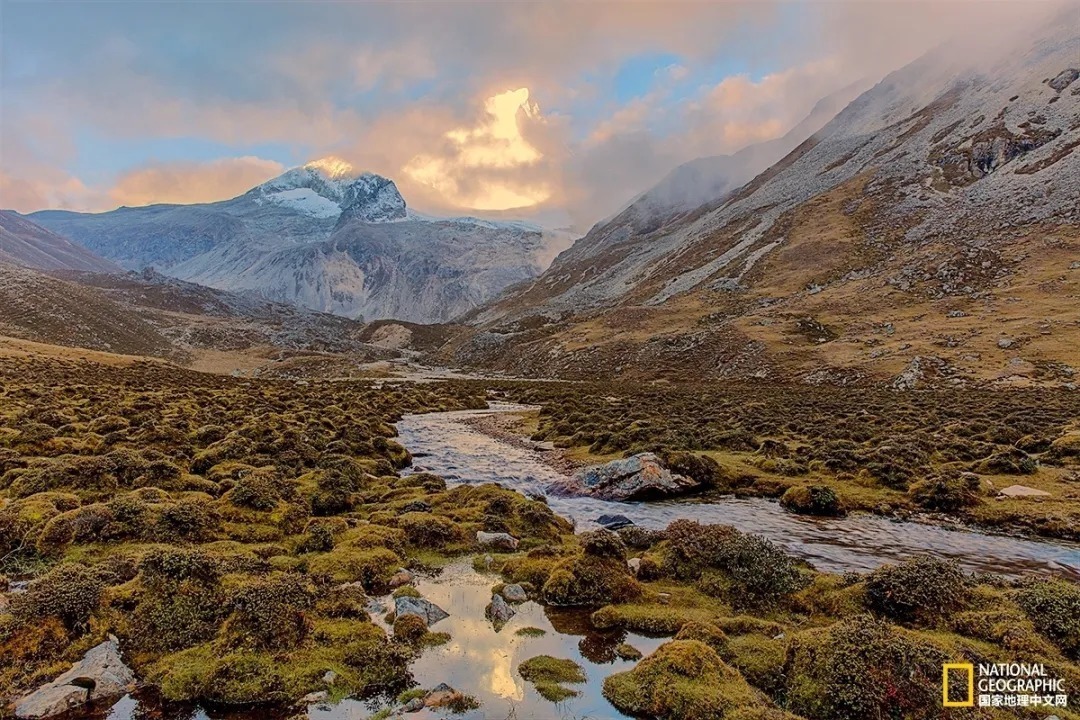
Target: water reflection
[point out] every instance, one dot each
(861, 542)
(483, 662)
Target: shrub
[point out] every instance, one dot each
(921, 589)
(335, 492)
(189, 520)
(946, 492)
(603, 544)
(683, 679)
(427, 530)
(640, 538)
(181, 602)
(321, 534)
(258, 490)
(812, 500)
(68, 592)
(691, 547)
(409, 628)
(1013, 461)
(272, 613)
(1054, 608)
(588, 580)
(760, 572)
(863, 668)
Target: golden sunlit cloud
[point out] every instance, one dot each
(494, 144)
(192, 182)
(332, 167)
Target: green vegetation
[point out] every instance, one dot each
(549, 675)
(682, 679)
(231, 531)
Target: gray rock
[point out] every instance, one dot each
(614, 522)
(637, 477)
(497, 541)
(101, 666)
(315, 697)
(634, 564)
(414, 705)
(515, 593)
(1022, 491)
(329, 677)
(499, 611)
(1005, 343)
(424, 609)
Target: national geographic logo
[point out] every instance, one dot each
(1001, 685)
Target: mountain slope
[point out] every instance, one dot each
(25, 243)
(896, 235)
(150, 314)
(323, 238)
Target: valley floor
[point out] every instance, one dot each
(262, 540)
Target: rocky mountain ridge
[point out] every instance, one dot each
(325, 238)
(944, 192)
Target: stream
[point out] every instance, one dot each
(442, 444)
(483, 662)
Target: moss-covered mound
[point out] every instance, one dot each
(683, 679)
(550, 675)
(863, 668)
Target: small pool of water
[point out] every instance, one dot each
(483, 662)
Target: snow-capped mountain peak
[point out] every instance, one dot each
(329, 188)
(332, 167)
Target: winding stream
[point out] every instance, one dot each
(446, 446)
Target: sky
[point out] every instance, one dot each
(557, 111)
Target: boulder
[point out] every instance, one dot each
(614, 522)
(100, 674)
(497, 541)
(639, 477)
(401, 577)
(1016, 491)
(515, 593)
(426, 610)
(499, 611)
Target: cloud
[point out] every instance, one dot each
(433, 94)
(192, 182)
(476, 164)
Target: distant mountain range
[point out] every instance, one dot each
(27, 244)
(325, 238)
(931, 229)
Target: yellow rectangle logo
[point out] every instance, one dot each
(969, 669)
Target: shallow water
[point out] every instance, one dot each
(483, 662)
(444, 445)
